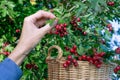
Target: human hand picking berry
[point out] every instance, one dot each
(34, 29)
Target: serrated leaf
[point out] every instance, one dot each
(51, 21)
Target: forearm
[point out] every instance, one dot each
(19, 54)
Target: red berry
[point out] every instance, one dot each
(17, 30)
(5, 44)
(96, 54)
(109, 25)
(84, 57)
(76, 64)
(117, 50)
(91, 61)
(61, 25)
(110, 29)
(95, 62)
(72, 22)
(100, 62)
(88, 58)
(61, 35)
(65, 65)
(115, 70)
(28, 66)
(67, 48)
(72, 50)
(75, 25)
(57, 26)
(6, 53)
(110, 3)
(76, 54)
(98, 65)
(56, 32)
(78, 19)
(74, 61)
(118, 67)
(68, 62)
(101, 54)
(74, 47)
(96, 58)
(64, 29)
(80, 58)
(74, 17)
(65, 33)
(69, 57)
(80, 29)
(64, 24)
(84, 33)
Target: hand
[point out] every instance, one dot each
(33, 30)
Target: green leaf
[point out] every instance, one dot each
(80, 50)
(1, 57)
(51, 22)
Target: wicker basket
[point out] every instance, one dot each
(84, 70)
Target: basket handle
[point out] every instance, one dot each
(60, 52)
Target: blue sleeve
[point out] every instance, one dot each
(9, 70)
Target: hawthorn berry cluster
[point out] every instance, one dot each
(96, 59)
(109, 26)
(110, 3)
(117, 68)
(117, 50)
(31, 66)
(72, 50)
(60, 29)
(74, 22)
(70, 60)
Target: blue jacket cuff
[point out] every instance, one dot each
(9, 70)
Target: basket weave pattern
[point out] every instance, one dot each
(84, 70)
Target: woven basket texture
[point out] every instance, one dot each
(84, 70)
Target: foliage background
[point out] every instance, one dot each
(93, 13)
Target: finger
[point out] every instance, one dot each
(42, 14)
(40, 23)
